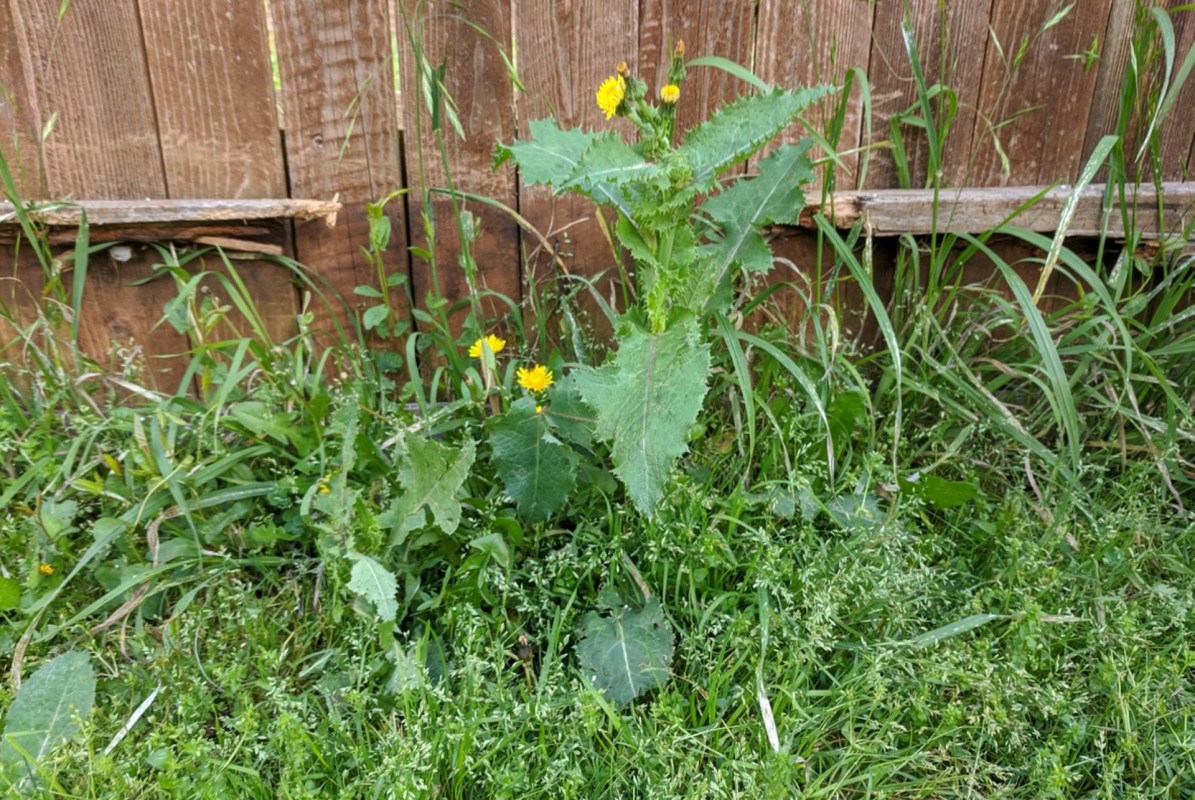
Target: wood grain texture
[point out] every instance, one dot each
(134, 212)
(945, 38)
(895, 211)
(1048, 92)
(20, 119)
(210, 71)
(817, 41)
(477, 81)
(213, 92)
(1114, 48)
(342, 124)
(89, 68)
(121, 324)
(566, 49)
(1177, 132)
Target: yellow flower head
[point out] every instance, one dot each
(493, 341)
(535, 379)
(610, 94)
(46, 569)
(539, 409)
(670, 93)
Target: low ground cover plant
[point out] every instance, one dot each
(723, 561)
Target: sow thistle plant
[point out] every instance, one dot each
(689, 233)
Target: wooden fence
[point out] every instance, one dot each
(319, 99)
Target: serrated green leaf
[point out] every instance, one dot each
(605, 171)
(773, 197)
(738, 129)
(550, 156)
(46, 710)
(646, 399)
(537, 469)
(941, 492)
(431, 475)
(373, 582)
(626, 653)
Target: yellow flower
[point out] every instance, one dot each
(535, 379)
(539, 409)
(493, 341)
(46, 569)
(670, 93)
(610, 94)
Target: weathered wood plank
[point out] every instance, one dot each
(213, 92)
(946, 37)
(341, 118)
(1036, 94)
(476, 79)
(800, 44)
(145, 212)
(896, 211)
(1114, 45)
(19, 114)
(89, 69)
(210, 70)
(588, 39)
(1177, 132)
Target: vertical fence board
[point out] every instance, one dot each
(800, 44)
(1114, 58)
(708, 28)
(210, 70)
(588, 39)
(1044, 144)
(89, 69)
(19, 115)
(1176, 137)
(340, 114)
(945, 39)
(477, 80)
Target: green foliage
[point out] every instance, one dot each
(46, 711)
(647, 399)
(686, 246)
(431, 476)
(626, 652)
(376, 584)
(537, 468)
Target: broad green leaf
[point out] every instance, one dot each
(375, 316)
(550, 156)
(538, 470)
(46, 710)
(774, 197)
(572, 420)
(376, 584)
(738, 129)
(626, 653)
(646, 399)
(10, 593)
(431, 475)
(941, 492)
